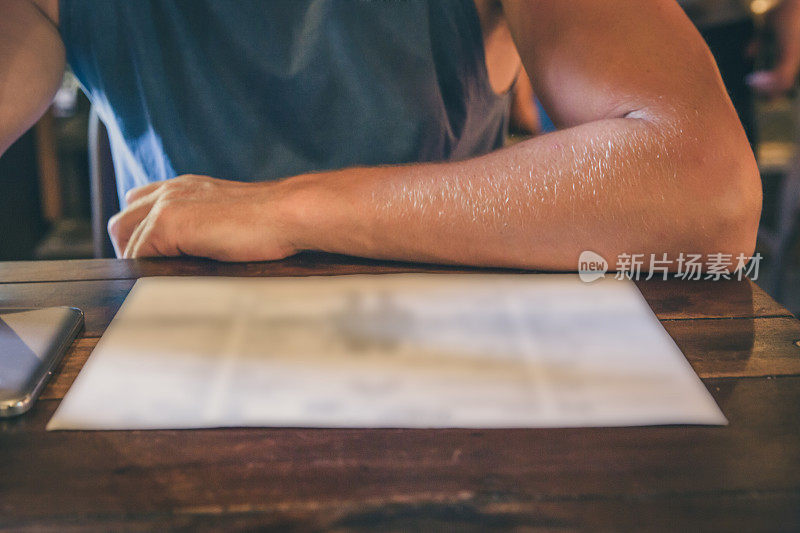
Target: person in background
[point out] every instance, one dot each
(784, 21)
(728, 29)
(253, 130)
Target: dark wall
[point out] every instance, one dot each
(21, 222)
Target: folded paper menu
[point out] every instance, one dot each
(410, 350)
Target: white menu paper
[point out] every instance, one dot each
(407, 350)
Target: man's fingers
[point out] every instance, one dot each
(145, 242)
(130, 245)
(146, 247)
(122, 225)
(153, 236)
(145, 190)
(140, 192)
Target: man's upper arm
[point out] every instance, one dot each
(31, 64)
(619, 60)
(591, 60)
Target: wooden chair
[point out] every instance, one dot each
(103, 186)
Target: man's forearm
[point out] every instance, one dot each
(619, 185)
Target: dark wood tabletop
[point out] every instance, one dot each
(743, 477)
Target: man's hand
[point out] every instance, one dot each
(202, 216)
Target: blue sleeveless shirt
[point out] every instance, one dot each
(255, 90)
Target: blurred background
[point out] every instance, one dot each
(49, 196)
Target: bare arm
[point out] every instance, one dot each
(31, 64)
(652, 158)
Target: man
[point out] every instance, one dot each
(728, 29)
(784, 21)
(650, 156)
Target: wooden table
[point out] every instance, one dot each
(744, 477)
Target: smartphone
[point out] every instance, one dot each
(32, 342)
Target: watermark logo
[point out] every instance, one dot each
(591, 266)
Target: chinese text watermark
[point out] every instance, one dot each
(715, 266)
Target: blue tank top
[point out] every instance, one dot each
(256, 90)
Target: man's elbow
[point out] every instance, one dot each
(730, 210)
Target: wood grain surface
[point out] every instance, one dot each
(743, 477)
